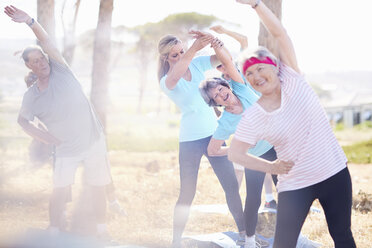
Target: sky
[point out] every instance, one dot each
(328, 35)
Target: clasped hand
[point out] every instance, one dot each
(205, 38)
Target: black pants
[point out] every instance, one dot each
(335, 197)
(254, 181)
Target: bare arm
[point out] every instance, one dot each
(274, 26)
(37, 133)
(179, 69)
(223, 57)
(238, 154)
(215, 148)
(242, 39)
(20, 16)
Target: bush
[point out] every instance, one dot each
(364, 126)
(359, 153)
(339, 127)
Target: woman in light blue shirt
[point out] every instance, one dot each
(180, 74)
(235, 97)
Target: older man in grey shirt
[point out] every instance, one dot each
(58, 101)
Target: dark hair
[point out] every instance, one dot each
(208, 84)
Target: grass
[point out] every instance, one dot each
(144, 160)
(359, 153)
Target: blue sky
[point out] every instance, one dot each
(331, 35)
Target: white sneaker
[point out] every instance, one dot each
(304, 242)
(250, 242)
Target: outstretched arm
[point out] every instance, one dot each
(179, 69)
(238, 153)
(274, 26)
(242, 39)
(20, 16)
(216, 148)
(222, 57)
(37, 133)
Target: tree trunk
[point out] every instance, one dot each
(69, 39)
(265, 38)
(45, 16)
(144, 51)
(101, 59)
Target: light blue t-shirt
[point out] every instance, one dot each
(198, 119)
(228, 122)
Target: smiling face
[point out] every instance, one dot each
(175, 53)
(263, 77)
(222, 95)
(38, 63)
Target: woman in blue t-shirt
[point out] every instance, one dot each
(235, 97)
(180, 73)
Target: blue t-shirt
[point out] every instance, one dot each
(198, 119)
(228, 122)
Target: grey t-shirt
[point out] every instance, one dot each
(65, 111)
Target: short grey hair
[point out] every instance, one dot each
(30, 49)
(208, 84)
(259, 53)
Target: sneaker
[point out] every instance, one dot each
(254, 245)
(241, 240)
(117, 209)
(271, 204)
(261, 242)
(303, 241)
(250, 243)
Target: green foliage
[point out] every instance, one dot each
(180, 24)
(339, 127)
(177, 24)
(366, 125)
(359, 153)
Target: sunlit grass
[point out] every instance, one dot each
(143, 152)
(360, 153)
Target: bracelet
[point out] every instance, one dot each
(31, 23)
(257, 3)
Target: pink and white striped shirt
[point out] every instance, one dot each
(299, 131)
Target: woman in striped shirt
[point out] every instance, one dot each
(290, 117)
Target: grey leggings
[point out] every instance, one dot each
(190, 154)
(254, 181)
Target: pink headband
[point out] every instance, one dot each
(252, 61)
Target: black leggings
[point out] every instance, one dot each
(254, 181)
(335, 197)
